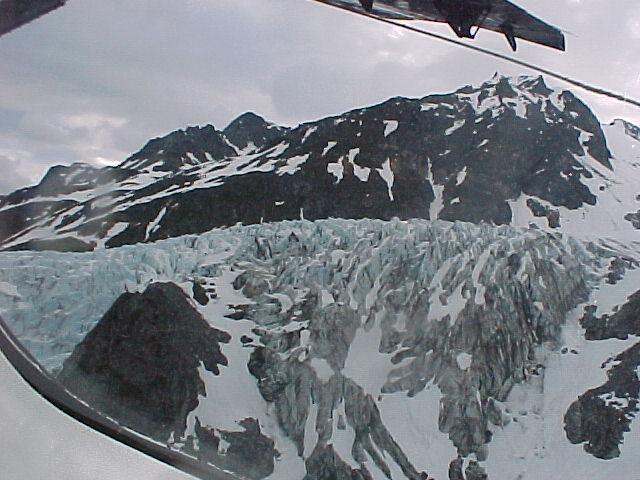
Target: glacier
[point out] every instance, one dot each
(383, 349)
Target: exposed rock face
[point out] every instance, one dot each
(539, 210)
(182, 148)
(621, 324)
(199, 293)
(601, 416)
(40, 204)
(325, 464)
(140, 363)
(473, 471)
(634, 218)
(252, 132)
(62, 244)
(248, 452)
(542, 151)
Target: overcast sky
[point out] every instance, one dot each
(96, 79)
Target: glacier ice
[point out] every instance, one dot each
(367, 339)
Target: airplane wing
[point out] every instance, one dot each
(505, 15)
(500, 16)
(15, 13)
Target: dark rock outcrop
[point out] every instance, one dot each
(620, 324)
(191, 146)
(139, 364)
(248, 452)
(601, 416)
(62, 244)
(634, 218)
(325, 464)
(199, 293)
(539, 210)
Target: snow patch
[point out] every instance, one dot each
(329, 146)
(387, 175)
(437, 204)
(462, 174)
(456, 125)
(361, 172)
(336, 169)
(464, 360)
(153, 225)
(322, 369)
(293, 165)
(308, 133)
(390, 126)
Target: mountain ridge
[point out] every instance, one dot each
(547, 159)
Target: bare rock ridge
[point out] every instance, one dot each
(182, 148)
(249, 452)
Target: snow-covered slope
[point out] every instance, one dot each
(509, 151)
(371, 349)
(615, 189)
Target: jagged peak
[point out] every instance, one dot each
(244, 119)
(176, 136)
(250, 130)
(187, 146)
(191, 130)
(64, 170)
(535, 84)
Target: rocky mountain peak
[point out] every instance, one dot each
(191, 146)
(77, 176)
(250, 132)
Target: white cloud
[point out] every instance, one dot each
(13, 176)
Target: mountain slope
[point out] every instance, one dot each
(511, 151)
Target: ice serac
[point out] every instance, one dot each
(503, 296)
(509, 151)
(139, 364)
